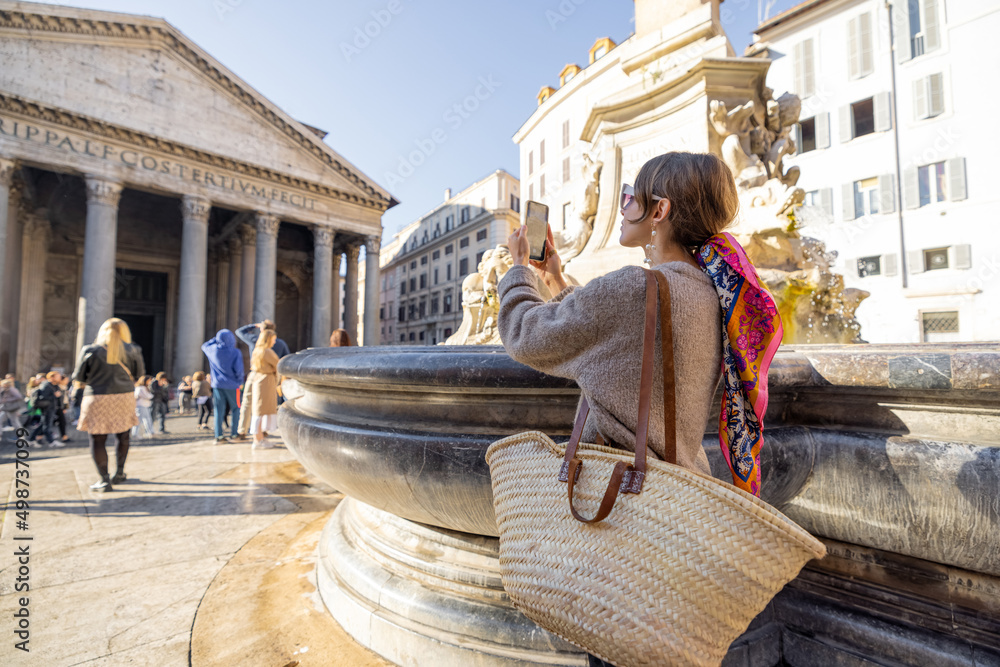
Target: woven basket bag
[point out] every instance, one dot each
(673, 574)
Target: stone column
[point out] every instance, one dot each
(194, 271)
(248, 238)
(232, 319)
(266, 283)
(322, 286)
(97, 288)
(221, 289)
(372, 246)
(335, 320)
(7, 169)
(351, 292)
(35, 249)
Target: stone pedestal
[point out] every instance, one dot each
(97, 287)
(322, 286)
(265, 284)
(194, 271)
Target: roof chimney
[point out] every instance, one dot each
(447, 194)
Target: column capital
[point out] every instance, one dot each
(195, 208)
(7, 170)
(373, 244)
(221, 253)
(323, 237)
(234, 243)
(353, 250)
(36, 225)
(267, 224)
(103, 191)
(248, 235)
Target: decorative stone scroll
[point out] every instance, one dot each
(102, 191)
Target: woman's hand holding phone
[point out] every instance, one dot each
(550, 269)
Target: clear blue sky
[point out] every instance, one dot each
(376, 101)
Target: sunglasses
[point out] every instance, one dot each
(628, 194)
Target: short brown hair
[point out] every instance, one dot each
(198, 376)
(340, 338)
(268, 324)
(701, 190)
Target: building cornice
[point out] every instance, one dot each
(106, 25)
(30, 109)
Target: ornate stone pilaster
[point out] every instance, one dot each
(372, 246)
(248, 240)
(322, 285)
(97, 287)
(221, 289)
(265, 286)
(235, 276)
(35, 250)
(351, 291)
(193, 275)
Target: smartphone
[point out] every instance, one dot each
(536, 218)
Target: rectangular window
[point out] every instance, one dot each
(381, 316)
(541, 153)
(932, 182)
(448, 249)
(565, 134)
(413, 265)
(928, 96)
(435, 275)
(479, 257)
(566, 211)
(924, 28)
(421, 336)
(423, 260)
(866, 197)
(803, 69)
(807, 135)
(402, 338)
(935, 259)
(463, 266)
(465, 214)
(531, 162)
(402, 313)
(515, 204)
(464, 243)
(448, 272)
(870, 266)
(481, 235)
(447, 332)
(436, 254)
(413, 284)
(446, 306)
(541, 186)
(423, 309)
(940, 327)
(435, 305)
(402, 287)
(565, 170)
(412, 336)
(423, 280)
(863, 117)
(859, 46)
(449, 222)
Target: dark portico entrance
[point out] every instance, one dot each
(141, 300)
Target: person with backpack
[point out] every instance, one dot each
(226, 366)
(45, 399)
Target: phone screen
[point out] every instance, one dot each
(536, 219)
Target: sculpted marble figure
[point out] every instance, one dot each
(571, 241)
(480, 305)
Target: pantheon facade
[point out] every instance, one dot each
(140, 178)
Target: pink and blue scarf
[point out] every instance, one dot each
(751, 334)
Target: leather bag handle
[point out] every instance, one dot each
(628, 478)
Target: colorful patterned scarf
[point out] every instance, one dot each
(751, 334)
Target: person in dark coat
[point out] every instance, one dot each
(160, 388)
(225, 362)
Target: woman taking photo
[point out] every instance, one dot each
(724, 322)
(109, 368)
(264, 382)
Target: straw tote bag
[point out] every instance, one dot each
(670, 577)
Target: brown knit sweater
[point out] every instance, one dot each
(593, 334)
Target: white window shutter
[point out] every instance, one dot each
(932, 26)
(886, 194)
(911, 188)
(889, 265)
(846, 123)
(808, 69)
(883, 111)
(901, 30)
(797, 68)
(956, 179)
(920, 99)
(915, 261)
(853, 59)
(847, 192)
(961, 256)
(826, 200)
(822, 125)
(797, 138)
(865, 50)
(935, 94)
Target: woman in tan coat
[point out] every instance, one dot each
(264, 380)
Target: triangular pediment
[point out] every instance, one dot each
(142, 74)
